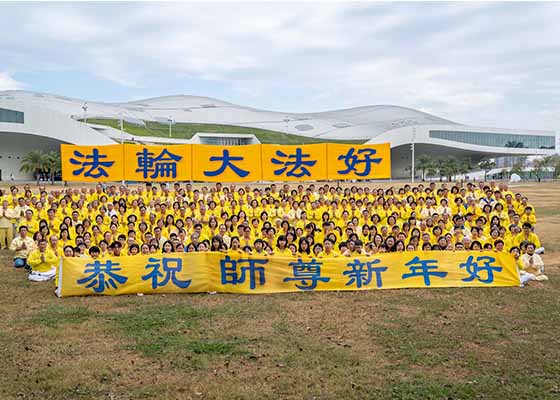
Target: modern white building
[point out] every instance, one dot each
(30, 120)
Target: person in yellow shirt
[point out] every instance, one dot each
(527, 236)
(43, 263)
(23, 245)
(30, 222)
(6, 228)
(529, 216)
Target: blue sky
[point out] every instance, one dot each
(489, 64)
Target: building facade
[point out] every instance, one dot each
(30, 121)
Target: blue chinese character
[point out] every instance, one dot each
(308, 273)
(361, 273)
(226, 161)
(231, 274)
(352, 161)
(170, 266)
(474, 268)
(295, 162)
(102, 275)
(162, 166)
(423, 268)
(93, 162)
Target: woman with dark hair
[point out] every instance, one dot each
(235, 246)
(281, 246)
(476, 245)
(303, 248)
(317, 249)
(218, 244)
(145, 249)
(133, 249)
(167, 247)
(69, 251)
(426, 247)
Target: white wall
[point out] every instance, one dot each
(13, 147)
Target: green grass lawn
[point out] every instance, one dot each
(470, 343)
(187, 131)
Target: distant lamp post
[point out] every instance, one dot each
(85, 107)
(412, 149)
(170, 120)
(122, 140)
(122, 127)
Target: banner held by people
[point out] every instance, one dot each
(241, 273)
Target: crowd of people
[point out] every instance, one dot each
(319, 220)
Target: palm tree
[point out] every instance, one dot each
(53, 164)
(538, 168)
(450, 167)
(486, 165)
(424, 162)
(440, 168)
(33, 162)
(464, 166)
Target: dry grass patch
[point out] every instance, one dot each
(393, 344)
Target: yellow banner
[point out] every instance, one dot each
(210, 163)
(348, 161)
(294, 163)
(227, 163)
(157, 163)
(92, 163)
(239, 273)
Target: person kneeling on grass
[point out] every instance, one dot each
(23, 245)
(533, 263)
(43, 263)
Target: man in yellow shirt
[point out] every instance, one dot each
(23, 245)
(529, 216)
(527, 236)
(6, 228)
(43, 263)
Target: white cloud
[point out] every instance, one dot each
(466, 62)
(9, 83)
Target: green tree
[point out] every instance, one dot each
(486, 165)
(53, 164)
(33, 162)
(440, 168)
(538, 168)
(464, 166)
(518, 167)
(555, 164)
(450, 167)
(432, 169)
(424, 163)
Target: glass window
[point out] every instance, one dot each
(11, 116)
(497, 139)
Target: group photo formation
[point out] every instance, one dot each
(354, 200)
(313, 220)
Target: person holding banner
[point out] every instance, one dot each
(315, 221)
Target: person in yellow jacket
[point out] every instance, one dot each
(43, 263)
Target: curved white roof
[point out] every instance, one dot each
(353, 123)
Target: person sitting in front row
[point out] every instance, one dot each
(43, 263)
(533, 263)
(23, 245)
